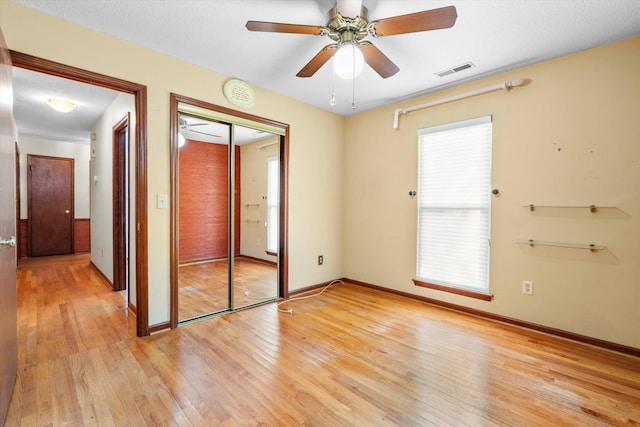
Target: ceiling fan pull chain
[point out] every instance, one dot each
(332, 101)
(353, 80)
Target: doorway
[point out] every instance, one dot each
(50, 189)
(139, 92)
(228, 229)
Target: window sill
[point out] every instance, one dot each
(465, 292)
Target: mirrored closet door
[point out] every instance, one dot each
(203, 210)
(227, 211)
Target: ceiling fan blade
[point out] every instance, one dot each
(434, 19)
(205, 133)
(184, 124)
(349, 8)
(378, 60)
(275, 27)
(318, 61)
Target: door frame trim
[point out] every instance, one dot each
(139, 92)
(120, 192)
(18, 206)
(283, 276)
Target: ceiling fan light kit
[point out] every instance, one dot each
(342, 29)
(348, 60)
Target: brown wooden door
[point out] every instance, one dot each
(8, 304)
(50, 206)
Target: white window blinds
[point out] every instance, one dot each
(454, 204)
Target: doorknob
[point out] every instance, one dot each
(11, 241)
(67, 211)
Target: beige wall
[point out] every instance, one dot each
(571, 137)
(101, 177)
(315, 186)
(72, 150)
(253, 183)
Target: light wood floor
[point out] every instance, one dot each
(203, 286)
(353, 356)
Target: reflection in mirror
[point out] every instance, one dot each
(255, 268)
(203, 210)
(206, 222)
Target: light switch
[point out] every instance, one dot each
(163, 201)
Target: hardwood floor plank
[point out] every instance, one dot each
(203, 286)
(353, 356)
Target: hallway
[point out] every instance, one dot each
(69, 322)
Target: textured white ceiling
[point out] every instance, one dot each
(33, 116)
(496, 35)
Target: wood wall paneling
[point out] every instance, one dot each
(203, 209)
(236, 216)
(22, 237)
(81, 236)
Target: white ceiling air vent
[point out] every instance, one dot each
(455, 69)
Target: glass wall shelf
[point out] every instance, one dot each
(251, 221)
(533, 243)
(592, 208)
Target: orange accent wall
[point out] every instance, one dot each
(203, 201)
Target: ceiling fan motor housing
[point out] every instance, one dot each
(343, 29)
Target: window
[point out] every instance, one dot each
(273, 204)
(454, 206)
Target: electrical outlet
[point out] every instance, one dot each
(320, 259)
(527, 287)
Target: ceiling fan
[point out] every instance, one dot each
(185, 125)
(348, 23)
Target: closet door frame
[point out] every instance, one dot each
(234, 117)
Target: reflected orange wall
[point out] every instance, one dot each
(203, 201)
